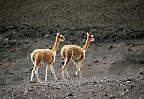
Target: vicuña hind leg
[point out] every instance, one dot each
(36, 72)
(77, 68)
(67, 73)
(32, 74)
(46, 72)
(78, 65)
(53, 72)
(67, 57)
(64, 68)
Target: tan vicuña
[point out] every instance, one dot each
(46, 56)
(75, 53)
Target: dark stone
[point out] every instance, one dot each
(70, 94)
(141, 73)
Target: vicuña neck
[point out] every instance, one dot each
(56, 45)
(87, 43)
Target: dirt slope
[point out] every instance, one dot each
(112, 68)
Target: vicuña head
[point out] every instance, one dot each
(46, 56)
(75, 53)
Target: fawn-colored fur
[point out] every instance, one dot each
(75, 53)
(46, 56)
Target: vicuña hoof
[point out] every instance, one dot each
(32, 82)
(74, 75)
(82, 77)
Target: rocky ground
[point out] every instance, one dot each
(113, 67)
(131, 87)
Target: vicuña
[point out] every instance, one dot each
(75, 53)
(46, 56)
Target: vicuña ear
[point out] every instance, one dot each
(58, 34)
(88, 33)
